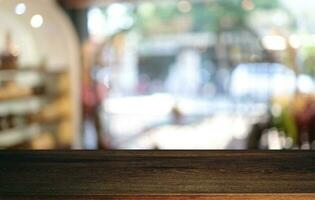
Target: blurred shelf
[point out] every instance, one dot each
(14, 70)
(9, 74)
(21, 95)
(31, 105)
(36, 93)
(26, 104)
(21, 105)
(30, 69)
(29, 93)
(17, 136)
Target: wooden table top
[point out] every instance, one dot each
(141, 174)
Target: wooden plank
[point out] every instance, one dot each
(93, 174)
(174, 197)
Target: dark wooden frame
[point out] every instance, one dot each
(163, 174)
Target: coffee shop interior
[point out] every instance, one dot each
(148, 74)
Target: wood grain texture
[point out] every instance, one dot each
(173, 197)
(99, 174)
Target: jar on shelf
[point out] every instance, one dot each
(9, 56)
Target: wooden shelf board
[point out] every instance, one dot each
(97, 174)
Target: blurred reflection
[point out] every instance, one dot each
(206, 74)
(185, 74)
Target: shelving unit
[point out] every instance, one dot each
(35, 105)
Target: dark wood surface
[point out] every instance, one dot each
(94, 174)
(172, 197)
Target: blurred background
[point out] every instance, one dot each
(148, 74)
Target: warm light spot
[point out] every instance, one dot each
(37, 21)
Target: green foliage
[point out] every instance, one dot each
(309, 60)
(265, 4)
(286, 123)
(213, 16)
